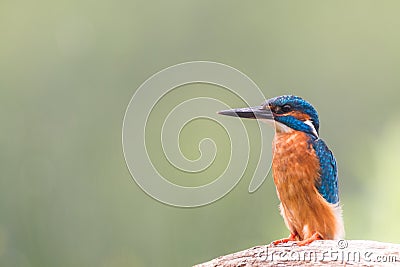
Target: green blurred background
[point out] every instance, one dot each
(69, 68)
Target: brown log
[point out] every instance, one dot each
(318, 253)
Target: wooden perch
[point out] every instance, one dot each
(318, 253)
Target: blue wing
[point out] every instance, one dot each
(328, 187)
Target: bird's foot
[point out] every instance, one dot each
(305, 242)
(292, 237)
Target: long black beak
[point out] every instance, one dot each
(250, 113)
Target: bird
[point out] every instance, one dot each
(304, 169)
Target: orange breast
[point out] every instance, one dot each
(296, 171)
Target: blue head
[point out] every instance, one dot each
(295, 113)
(290, 112)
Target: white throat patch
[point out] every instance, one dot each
(280, 127)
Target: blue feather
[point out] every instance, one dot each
(295, 124)
(328, 187)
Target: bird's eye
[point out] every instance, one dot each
(286, 108)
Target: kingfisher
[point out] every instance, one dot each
(304, 169)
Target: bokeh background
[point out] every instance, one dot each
(69, 68)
